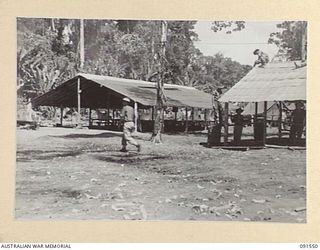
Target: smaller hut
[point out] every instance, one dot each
(275, 83)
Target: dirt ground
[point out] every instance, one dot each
(80, 174)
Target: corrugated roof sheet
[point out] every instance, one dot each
(275, 82)
(139, 91)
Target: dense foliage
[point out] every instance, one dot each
(290, 38)
(45, 55)
(48, 53)
(228, 26)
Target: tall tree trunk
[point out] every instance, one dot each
(304, 42)
(53, 27)
(159, 121)
(81, 44)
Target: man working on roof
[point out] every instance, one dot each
(262, 60)
(127, 118)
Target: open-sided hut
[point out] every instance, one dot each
(105, 92)
(275, 82)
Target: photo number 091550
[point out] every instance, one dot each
(312, 246)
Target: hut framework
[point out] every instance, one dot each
(275, 82)
(105, 92)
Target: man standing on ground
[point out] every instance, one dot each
(127, 117)
(298, 120)
(238, 126)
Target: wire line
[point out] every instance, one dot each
(228, 43)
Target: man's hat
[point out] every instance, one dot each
(239, 110)
(126, 99)
(256, 51)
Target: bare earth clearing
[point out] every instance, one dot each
(79, 174)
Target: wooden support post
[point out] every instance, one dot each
(205, 116)
(192, 114)
(175, 118)
(226, 125)
(186, 129)
(108, 116)
(113, 116)
(265, 123)
(256, 112)
(61, 116)
(152, 113)
(135, 116)
(108, 109)
(163, 120)
(175, 115)
(280, 120)
(90, 114)
(192, 119)
(255, 123)
(205, 119)
(79, 101)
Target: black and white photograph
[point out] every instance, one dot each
(161, 120)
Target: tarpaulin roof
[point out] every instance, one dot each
(271, 107)
(104, 91)
(251, 109)
(281, 81)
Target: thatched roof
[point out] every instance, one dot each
(280, 81)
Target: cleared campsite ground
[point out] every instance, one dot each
(79, 174)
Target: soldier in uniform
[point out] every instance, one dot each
(238, 126)
(127, 118)
(298, 119)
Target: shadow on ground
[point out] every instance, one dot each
(75, 136)
(30, 155)
(130, 158)
(253, 144)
